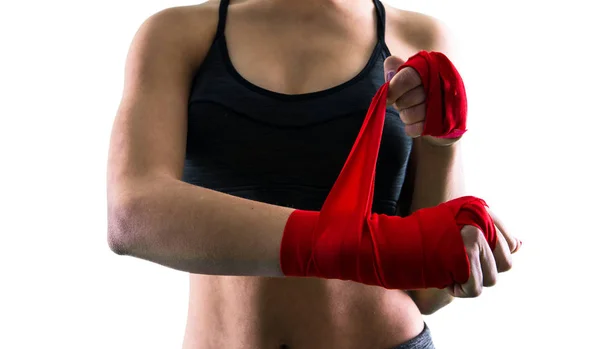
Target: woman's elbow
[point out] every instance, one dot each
(428, 308)
(117, 243)
(120, 232)
(430, 301)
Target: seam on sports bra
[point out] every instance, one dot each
(273, 186)
(249, 117)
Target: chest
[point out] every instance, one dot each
(295, 54)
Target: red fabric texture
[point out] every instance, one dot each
(446, 104)
(346, 241)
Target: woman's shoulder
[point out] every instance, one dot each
(414, 31)
(192, 28)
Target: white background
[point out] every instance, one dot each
(532, 75)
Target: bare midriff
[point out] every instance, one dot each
(296, 313)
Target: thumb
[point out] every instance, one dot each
(391, 65)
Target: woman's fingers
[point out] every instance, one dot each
(502, 254)
(483, 269)
(512, 242)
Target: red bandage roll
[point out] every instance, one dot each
(446, 103)
(346, 241)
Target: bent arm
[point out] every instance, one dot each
(197, 230)
(437, 170)
(152, 214)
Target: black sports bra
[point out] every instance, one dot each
(288, 150)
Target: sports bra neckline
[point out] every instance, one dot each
(379, 48)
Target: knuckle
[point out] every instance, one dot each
(471, 235)
(410, 76)
(471, 230)
(506, 265)
(466, 230)
(405, 116)
(475, 291)
(409, 116)
(413, 130)
(491, 282)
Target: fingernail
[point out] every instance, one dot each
(519, 245)
(389, 75)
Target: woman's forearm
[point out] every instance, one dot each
(197, 230)
(438, 174)
(438, 178)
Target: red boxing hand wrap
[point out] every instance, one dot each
(420, 251)
(446, 101)
(346, 241)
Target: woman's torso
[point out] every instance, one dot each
(286, 148)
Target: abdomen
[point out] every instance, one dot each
(253, 312)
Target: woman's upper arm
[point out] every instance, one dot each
(149, 131)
